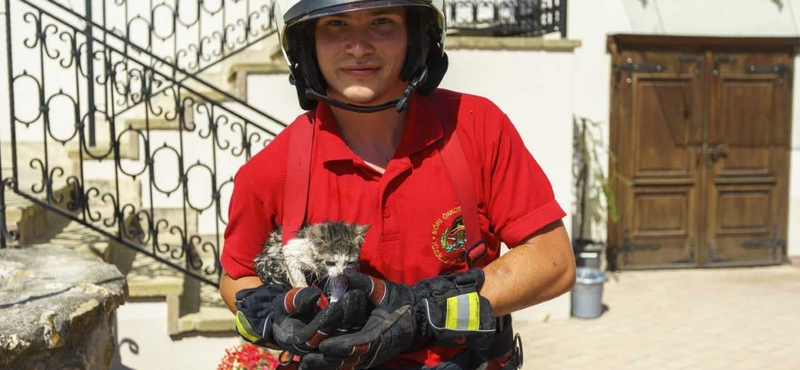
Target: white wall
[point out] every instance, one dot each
(5, 135)
(274, 94)
(591, 21)
(142, 341)
(794, 180)
(535, 90)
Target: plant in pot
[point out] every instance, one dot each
(595, 203)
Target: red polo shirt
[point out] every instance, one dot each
(412, 207)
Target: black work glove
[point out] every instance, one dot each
(277, 317)
(444, 310)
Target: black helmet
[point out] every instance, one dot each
(424, 67)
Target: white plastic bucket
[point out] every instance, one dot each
(587, 295)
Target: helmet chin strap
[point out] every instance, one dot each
(399, 104)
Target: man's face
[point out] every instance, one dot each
(361, 54)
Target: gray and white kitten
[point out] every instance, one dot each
(318, 252)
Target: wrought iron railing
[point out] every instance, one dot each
(507, 17)
(84, 85)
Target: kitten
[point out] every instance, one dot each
(318, 252)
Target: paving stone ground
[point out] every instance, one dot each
(703, 319)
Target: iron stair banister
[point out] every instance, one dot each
(82, 202)
(167, 77)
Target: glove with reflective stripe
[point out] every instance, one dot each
(277, 317)
(444, 310)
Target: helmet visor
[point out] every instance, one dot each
(311, 9)
(291, 12)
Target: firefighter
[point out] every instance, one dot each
(442, 178)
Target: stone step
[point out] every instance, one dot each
(212, 316)
(267, 58)
(237, 73)
(208, 319)
(78, 237)
(148, 277)
(192, 306)
(31, 221)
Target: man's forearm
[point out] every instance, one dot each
(228, 287)
(539, 269)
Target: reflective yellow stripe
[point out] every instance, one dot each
(451, 321)
(474, 312)
(463, 312)
(244, 328)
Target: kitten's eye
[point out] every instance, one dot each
(330, 264)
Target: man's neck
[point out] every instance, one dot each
(372, 136)
(380, 128)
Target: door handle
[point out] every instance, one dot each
(715, 153)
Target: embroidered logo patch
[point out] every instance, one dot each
(455, 236)
(449, 237)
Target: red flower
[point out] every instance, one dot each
(248, 357)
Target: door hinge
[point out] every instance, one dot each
(779, 69)
(631, 67)
(773, 243)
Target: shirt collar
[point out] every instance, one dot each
(329, 139)
(422, 128)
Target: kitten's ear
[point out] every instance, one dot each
(362, 229)
(361, 232)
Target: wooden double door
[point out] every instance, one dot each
(700, 136)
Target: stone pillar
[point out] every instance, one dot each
(56, 309)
